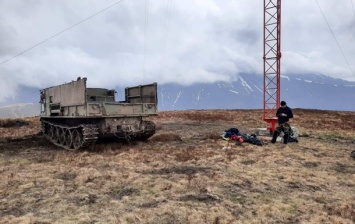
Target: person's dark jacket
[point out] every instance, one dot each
(286, 111)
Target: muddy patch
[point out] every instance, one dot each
(205, 198)
(13, 146)
(151, 204)
(165, 137)
(346, 211)
(248, 162)
(310, 164)
(67, 176)
(119, 192)
(42, 157)
(10, 123)
(342, 168)
(294, 185)
(304, 187)
(84, 200)
(14, 210)
(244, 185)
(188, 170)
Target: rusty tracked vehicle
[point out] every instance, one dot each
(74, 116)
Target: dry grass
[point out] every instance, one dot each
(8, 123)
(13, 128)
(182, 175)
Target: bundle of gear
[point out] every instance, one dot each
(233, 134)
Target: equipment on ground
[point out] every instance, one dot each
(74, 116)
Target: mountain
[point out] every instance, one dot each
(299, 91)
(246, 92)
(19, 110)
(24, 95)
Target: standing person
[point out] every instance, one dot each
(284, 113)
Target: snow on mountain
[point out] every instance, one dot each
(19, 110)
(301, 91)
(311, 91)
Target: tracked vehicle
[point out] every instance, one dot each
(74, 116)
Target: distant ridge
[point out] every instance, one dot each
(246, 92)
(19, 110)
(312, 91)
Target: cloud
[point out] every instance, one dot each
(175, 41)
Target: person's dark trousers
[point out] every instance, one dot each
(275, 135)
(286, 136)
(287, 131)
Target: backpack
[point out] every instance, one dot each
(252, 139)
(232, 134)
(233, 131)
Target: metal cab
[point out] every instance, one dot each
(74, 99)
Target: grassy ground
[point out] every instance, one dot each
(182, 174)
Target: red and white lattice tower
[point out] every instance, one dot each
(272, 59)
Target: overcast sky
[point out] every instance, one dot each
(182, 41)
